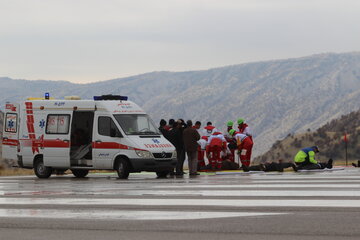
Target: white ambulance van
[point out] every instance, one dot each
(109, 133)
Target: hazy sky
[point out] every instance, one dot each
(93, 40)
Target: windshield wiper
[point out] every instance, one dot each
(144, 133)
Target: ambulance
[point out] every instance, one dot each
(106, 133)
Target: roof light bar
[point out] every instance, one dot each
(110, 97)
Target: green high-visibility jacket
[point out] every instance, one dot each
(305, 153)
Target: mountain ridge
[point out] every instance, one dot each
(275, 97)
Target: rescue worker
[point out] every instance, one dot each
(215, 145)
(229, 126)
(230, 140)
(244, 128)
(201, 152)
(244, 146)
(209, 130)
(305, 159)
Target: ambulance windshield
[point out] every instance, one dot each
(136, 124)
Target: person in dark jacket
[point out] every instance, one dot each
(176, 139)
(191, 136)
(164, 130)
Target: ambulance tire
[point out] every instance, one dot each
(123, 168)
(162, 174)
(80, 173)
(40, 170)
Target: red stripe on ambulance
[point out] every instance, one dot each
(10, 142)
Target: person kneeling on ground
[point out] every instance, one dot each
(305, 159)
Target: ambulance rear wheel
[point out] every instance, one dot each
(41, 171)
(80, 173)
(123, 168)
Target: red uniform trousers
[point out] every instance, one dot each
(245, 149)
(214, 156)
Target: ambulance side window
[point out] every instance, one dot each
(11, 122)
(107, 127)
(57, 124)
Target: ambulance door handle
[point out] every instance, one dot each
(5, 138)
(98, 141)
(66, 140)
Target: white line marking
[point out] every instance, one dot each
(182, 202)
(286, 181)
(250, 185)
(303, 176)
(243, 193)
(124, 215)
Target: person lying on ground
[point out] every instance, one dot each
(271, 166)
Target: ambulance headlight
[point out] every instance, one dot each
(143, 154)
(174, 154)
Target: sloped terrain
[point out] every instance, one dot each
(275, 97)
(330, 139)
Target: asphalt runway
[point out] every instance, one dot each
(315, 205)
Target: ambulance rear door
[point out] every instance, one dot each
(10, 131)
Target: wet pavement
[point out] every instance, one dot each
(317, 205)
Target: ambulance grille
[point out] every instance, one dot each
(162, 155)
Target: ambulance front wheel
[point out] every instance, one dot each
(80, 173)
(41, 171)
(123, 168)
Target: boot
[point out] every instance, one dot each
(245, 168)
(329, 164)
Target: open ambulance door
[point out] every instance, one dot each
(56, 146)
(10, 138)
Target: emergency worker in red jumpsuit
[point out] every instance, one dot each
(201, 152)
(216, 143)
(245, 145)
(230, 139)
(244, 128)
(209, 130)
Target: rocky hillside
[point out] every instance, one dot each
(275, 97)
(329, 138)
